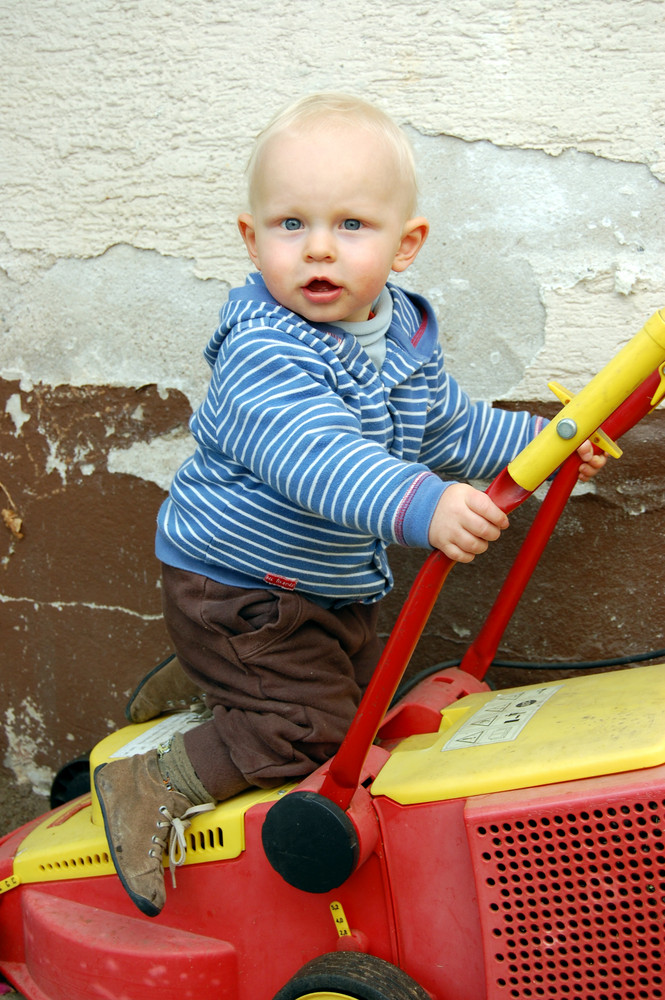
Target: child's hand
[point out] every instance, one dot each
(465, 521)
(591, 462)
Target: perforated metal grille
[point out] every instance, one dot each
(573, 899)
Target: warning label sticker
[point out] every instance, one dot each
(500, 720)
(160, 733)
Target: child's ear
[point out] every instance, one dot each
(248, 233)
(414, 235)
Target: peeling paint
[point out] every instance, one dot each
(626, 277)
(25, 732)
(155, 460)
(15, 410)
(53, 462)
(129, 317)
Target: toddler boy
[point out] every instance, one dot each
(328, 408)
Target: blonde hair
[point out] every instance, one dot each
(335, 108)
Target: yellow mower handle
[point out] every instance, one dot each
(582, 416)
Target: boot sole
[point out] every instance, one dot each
(144, 905)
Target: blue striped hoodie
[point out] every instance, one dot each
(309, 462)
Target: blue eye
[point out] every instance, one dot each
(351, 224)
(291, 224)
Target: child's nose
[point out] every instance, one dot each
(320, 245)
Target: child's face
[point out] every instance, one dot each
(329, 222)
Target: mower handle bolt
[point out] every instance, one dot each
(566, 429)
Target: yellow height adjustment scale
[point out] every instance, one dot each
(583, 414)
(339, 917)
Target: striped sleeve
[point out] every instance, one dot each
(472, 440)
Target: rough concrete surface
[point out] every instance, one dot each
(19, 803)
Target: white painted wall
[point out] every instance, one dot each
(539, 128)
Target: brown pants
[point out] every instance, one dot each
(282, 676)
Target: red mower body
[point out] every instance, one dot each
(550, 890)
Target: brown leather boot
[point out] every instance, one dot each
(143, 817)
(166, 688)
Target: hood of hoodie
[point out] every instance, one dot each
(414, 330)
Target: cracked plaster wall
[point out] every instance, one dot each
(539, 130)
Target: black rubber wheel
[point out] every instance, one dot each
(351, 975)
(71, 781)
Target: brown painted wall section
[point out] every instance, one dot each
(79, 594)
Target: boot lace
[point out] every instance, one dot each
(173, 841)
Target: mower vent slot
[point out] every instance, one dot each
(572, 897)
(209, 839)
(89, 861)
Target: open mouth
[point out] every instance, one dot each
(321, 291)
(321, 285)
